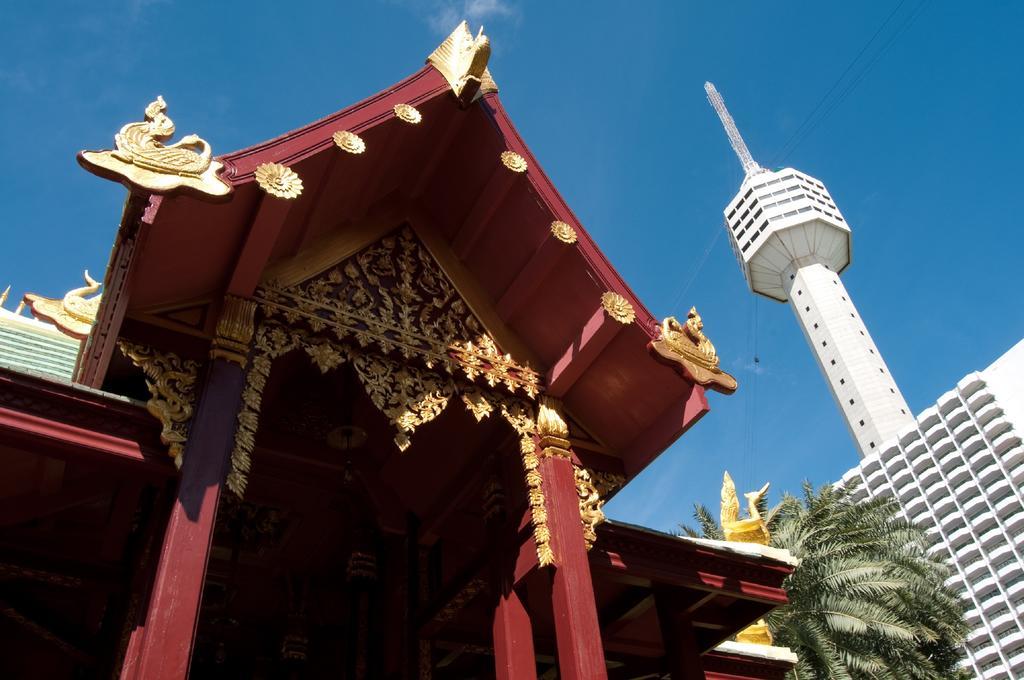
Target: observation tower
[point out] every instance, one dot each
(792, 244)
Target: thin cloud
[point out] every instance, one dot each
(447, 15)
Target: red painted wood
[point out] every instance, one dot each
(259, 243)
(577, 631)
(138, 216)
(532, 276)
(69, 423)
(514, 657)
(599, 330)
(487, 203)
(166, 651)
(668, 426)
(681, 650)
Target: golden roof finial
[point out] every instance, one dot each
(74, 314)
(141, 158)
(750, 530)
(462, 60)
(686, 346)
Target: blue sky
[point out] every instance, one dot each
(923, 155)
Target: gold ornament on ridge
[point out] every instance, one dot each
(278, 180)
(513, 161)
(74, 314)
(618, 308)
(686, 347)
(349, 141)
(563, 232)
(408, 113)
(143, 160)
(462, 60)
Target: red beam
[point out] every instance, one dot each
(487, 203)
(595, 335)
(259, 243)
(531, 276)
(514, 656)
(665, 429)
(61, 421)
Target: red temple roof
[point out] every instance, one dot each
(488, 226)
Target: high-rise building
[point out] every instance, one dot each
(958, 471)
(792, 243)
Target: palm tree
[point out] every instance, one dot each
(866, 601)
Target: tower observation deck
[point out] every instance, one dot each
(792, 243)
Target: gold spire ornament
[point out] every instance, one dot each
(408, 114)
(462, 60)
(278, 180)
(74, 314)
(349, 141)
(753, 529)
(143, 160)
(618, 308)
(686, 347)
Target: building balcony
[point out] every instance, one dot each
(1002, 620)
(1004, 442)
(935, 433)
(999, 551)
(984, 584)
(921, 464)
(958, 537)
(950, 461)
(948, 402)
(937, 492)
(908, 435)
(914, 506)
(972, 506)
(870, 465)
(976, 569)
(944, 506)
(992, 473)
(890, 453)
(943, 446)
(973, 617)
(1008, 506)
(987, 412)
(997, 427)
(957, 418)
(897, 463)
(983, 522)
(915, 449)
(1005, 571)
(973, 444)
(968, 552)
(1014, 588)
(990, 538)
(901, 479)
(958, 475)
(1014, 523)
(981, 458)
(1016, 473)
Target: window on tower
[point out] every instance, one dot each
(851, 402)
(833, 362)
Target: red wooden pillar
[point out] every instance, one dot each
(681, 649)
(577, 631)
(514, 657)
(166, 646)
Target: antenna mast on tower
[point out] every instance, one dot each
(750, 166)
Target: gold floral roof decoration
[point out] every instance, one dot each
(563, 232)
(513, 161)
(462, 60)
(686, 347)
(349, 141)
(142, 159)
(408, 114)
(618, 308)
(74, 314)
(278, 180)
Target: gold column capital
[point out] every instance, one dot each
(235, 328)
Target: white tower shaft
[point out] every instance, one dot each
(750, 166)
(856, 374)
(792, 242)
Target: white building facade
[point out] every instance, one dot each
(958, 471)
